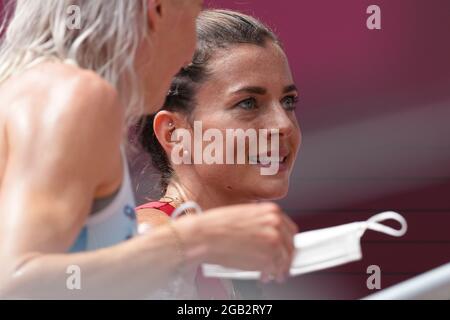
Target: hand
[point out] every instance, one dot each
(250, 237)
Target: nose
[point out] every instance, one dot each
(284, 121)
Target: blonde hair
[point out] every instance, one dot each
(106, 42)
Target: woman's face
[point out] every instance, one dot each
(249, 87)
(171, 45)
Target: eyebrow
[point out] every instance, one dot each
(254, 90)
(290, 88)
(263, 91)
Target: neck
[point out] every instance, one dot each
(189, 187)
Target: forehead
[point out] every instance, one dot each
(248, 64)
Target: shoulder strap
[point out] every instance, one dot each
(165, 207)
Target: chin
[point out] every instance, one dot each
(266, 187)
(270, 193)
(280, 194)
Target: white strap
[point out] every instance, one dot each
(186, 206)
(374, 223)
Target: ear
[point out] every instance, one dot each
(154, 13)
(164, 126)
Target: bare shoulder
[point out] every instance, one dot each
(62, 90)
(72, 114)
(66, 96)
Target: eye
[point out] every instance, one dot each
(247, 104)
(290, 102)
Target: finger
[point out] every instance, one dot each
(290, 232)
(283, 266)
(280, 255)
(274, 208)
(288, 256)
(288, 239)
(270, 207)
(272, 269)
(267, 275)
(288, 250)
(293, 228)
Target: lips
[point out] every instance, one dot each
(266, 161)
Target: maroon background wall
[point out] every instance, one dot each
(375, 114)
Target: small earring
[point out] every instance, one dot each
(171, 124)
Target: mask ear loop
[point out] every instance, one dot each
(374, 223)
(186, 206)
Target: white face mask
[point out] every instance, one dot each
(317, 249)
